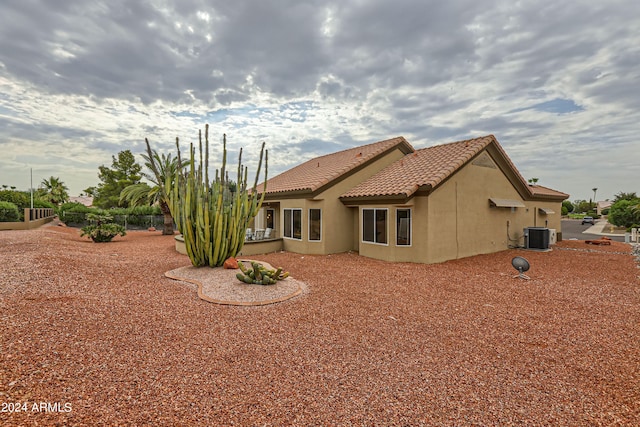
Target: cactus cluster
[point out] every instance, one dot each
(213, 216)
(259, 275)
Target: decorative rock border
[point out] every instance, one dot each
(220, 286)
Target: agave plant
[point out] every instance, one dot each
(212, 218)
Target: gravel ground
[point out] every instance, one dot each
(95, 334)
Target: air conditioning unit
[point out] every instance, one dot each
(536, 238)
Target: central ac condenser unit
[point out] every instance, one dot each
(536, 238)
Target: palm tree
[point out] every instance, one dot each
(54, 190)
(163, 169)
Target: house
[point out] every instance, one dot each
(389, 201)
(603, 205)
(84, 200)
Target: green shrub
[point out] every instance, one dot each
(19, 198)
(136, 210)
(102, 230)
(9, 212)
(75, 207)
(605, 211)
(564, 211)
(625, 213)
(74, 213)
(39, 203)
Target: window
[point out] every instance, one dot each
(293, 223)
(374, 226)
(403, 227)
(315, 224)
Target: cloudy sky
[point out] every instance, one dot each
(558, 83)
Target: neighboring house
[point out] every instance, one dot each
(85, 200)
(602, 205)
(389, 201)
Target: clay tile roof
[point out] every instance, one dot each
(320, 171)
(425, 167)
(539, 190)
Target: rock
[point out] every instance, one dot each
(231, 263)
(152, 229)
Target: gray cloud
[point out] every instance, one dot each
(553, 81)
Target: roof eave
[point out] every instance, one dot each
(376, 199)
(549, 197)
(290, 194)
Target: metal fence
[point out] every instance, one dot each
(130, 222)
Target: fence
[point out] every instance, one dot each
(33, 218)
(130, 222)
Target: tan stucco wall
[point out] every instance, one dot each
(539, 219)
(463, 223)
(261, 247)
(42, 216)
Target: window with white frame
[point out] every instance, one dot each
(403, 227)
(374, 226)
(293, 223)
(315, 224)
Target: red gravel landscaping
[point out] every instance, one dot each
(94, 334)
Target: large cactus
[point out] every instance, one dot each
(212, 218)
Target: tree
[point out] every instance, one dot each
(90, 191)
(163, 171)
(53, 190)
(533, 181)
(582, 206)
(625, 213)
(624, 196)
(568, 205)
(123, 173)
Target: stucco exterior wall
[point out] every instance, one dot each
(540, 219)
(464, 224)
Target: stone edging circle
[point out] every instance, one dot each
(220, 286)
